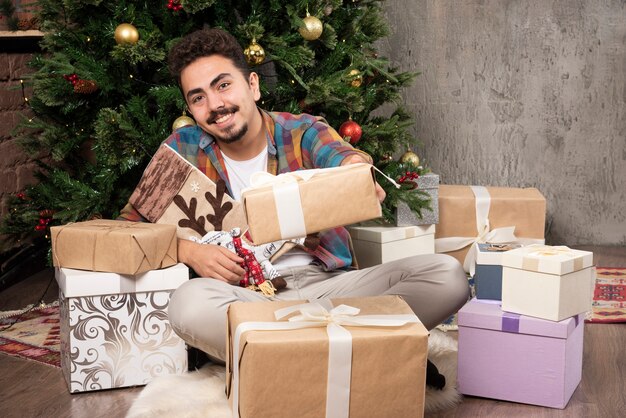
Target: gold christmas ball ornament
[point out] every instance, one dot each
(126, 34)
(255, 54)
(183, 121)
(355, 77)
(312, 28)
(411, 158)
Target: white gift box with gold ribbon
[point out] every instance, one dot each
(292, 205)
(548, 282)
(380, 244)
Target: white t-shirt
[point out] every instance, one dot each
(239, 173)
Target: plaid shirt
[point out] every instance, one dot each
(294, 142)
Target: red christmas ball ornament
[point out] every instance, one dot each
(352, 130)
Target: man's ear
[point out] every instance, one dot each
(253, 81)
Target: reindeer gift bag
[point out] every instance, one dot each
(172, 191)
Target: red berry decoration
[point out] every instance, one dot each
(174, 5)
(352, 130)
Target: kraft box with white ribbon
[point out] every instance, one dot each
(379, 244)
(292, 205)
(353, 357)
(114, 328)
(478, 214)
(549, 282)
(518, 358)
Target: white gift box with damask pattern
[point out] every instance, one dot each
(115, 331)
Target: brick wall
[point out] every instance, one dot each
(16, 168)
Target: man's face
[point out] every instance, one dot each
(219, 97)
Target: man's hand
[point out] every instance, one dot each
(209, 260)
(357, 158)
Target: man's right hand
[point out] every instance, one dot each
(209, 260)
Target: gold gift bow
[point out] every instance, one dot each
(531, 260)
(314, 315)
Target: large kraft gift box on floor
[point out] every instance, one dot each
(469, 214)
(172, 191)
(518, 358)
(115, 331)
(428, 183)
(284, 372)
(547, 282)
(379, 244)
(292, 205)
(114, 246)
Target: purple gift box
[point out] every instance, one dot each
(518, 358)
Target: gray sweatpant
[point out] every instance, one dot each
(434, 286)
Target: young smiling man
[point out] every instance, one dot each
(233, 139)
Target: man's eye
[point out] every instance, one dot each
(222, 86)
(196, 99)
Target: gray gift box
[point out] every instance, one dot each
(405, 217)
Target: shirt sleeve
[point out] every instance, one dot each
(129, 213)
(322, 146)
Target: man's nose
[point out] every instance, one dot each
(215, 101)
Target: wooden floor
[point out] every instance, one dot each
(30, 389)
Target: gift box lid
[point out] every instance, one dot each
(548, 259)
(78, 283)
(383, 234)
(428, 181)
(491, 254)
(488, 314)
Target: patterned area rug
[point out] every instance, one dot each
(32, 335)
(609, 296)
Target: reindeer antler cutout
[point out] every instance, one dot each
(219, 211)
(197, 224)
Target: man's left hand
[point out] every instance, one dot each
(355, 159)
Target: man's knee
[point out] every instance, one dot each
(454, 279)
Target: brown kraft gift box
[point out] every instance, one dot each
(332, 197)
(114, 246)
(525, 209)
(285, 373)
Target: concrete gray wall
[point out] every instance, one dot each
(523, 93)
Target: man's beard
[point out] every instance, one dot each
(232, 135)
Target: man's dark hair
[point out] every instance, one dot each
(204, 43)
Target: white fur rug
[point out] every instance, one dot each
(201, 393)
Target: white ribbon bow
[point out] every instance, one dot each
(339, 345)
(485, 234)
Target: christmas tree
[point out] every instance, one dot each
(103, 99)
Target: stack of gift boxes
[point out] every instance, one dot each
(115, 280)
(521, 338)
(521, 335)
